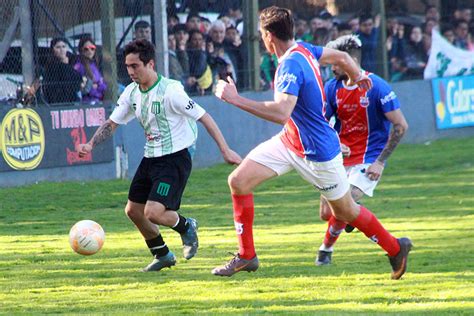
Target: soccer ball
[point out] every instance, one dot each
(86, 237)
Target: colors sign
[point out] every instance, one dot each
(454, 101)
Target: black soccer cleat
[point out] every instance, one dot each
(349, 228)
(324, 258)
(399, 262)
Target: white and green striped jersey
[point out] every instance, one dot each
(166, 113)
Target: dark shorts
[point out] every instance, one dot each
(161, 179)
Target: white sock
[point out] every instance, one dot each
(327, 249)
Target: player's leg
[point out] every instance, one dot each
(346, 210)
(264, 162)
(169, 175)
(135, 210)
(360, 186)
(241, 182)
(331, 180)
(334, 230)
(163, 257)
(357, 195)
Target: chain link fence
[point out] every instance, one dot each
(205, 42)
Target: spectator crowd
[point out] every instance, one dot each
(202, 51)
(408, 39)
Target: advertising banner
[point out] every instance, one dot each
(33, 138)
(454, 101)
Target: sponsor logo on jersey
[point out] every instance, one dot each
(22, 139)
(190, 105)
(151, 137)
(389, 97)
(286, 77)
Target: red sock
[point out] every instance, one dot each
(367, 223)
(243, 220)
(335, 228)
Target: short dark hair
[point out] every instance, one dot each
(141, 25)
(55, 40)
(325, 15)
(364, 17)
(193, 15)
(447, 27)
(174, 16)
(429, 7)
(192, 32)
(278, 21)
(344, 27)
(179, 27)
(142, 47)
(458, 22)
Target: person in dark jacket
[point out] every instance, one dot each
(61, 83)
(415, 55)
(198, 66)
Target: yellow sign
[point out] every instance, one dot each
(440, 111)
(22, 139)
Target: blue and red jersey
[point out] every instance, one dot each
(360, 117)
(307, 133)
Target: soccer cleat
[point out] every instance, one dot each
(235, 265)
(399, 262)
(190, 239)
(324, 258)
(349, 228)
(166, 261)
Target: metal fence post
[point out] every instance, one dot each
(108, 49)
(161, 36)
(28, 65)
(252, 37)
(378, 7)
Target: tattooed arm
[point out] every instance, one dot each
(103, 132)
(399, 128)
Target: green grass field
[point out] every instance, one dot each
(427, 193)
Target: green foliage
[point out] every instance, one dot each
(427, 193)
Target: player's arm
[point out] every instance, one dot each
(277, 111)
(348, 65)
(399, 128)
(105, 131)
(228, 154)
